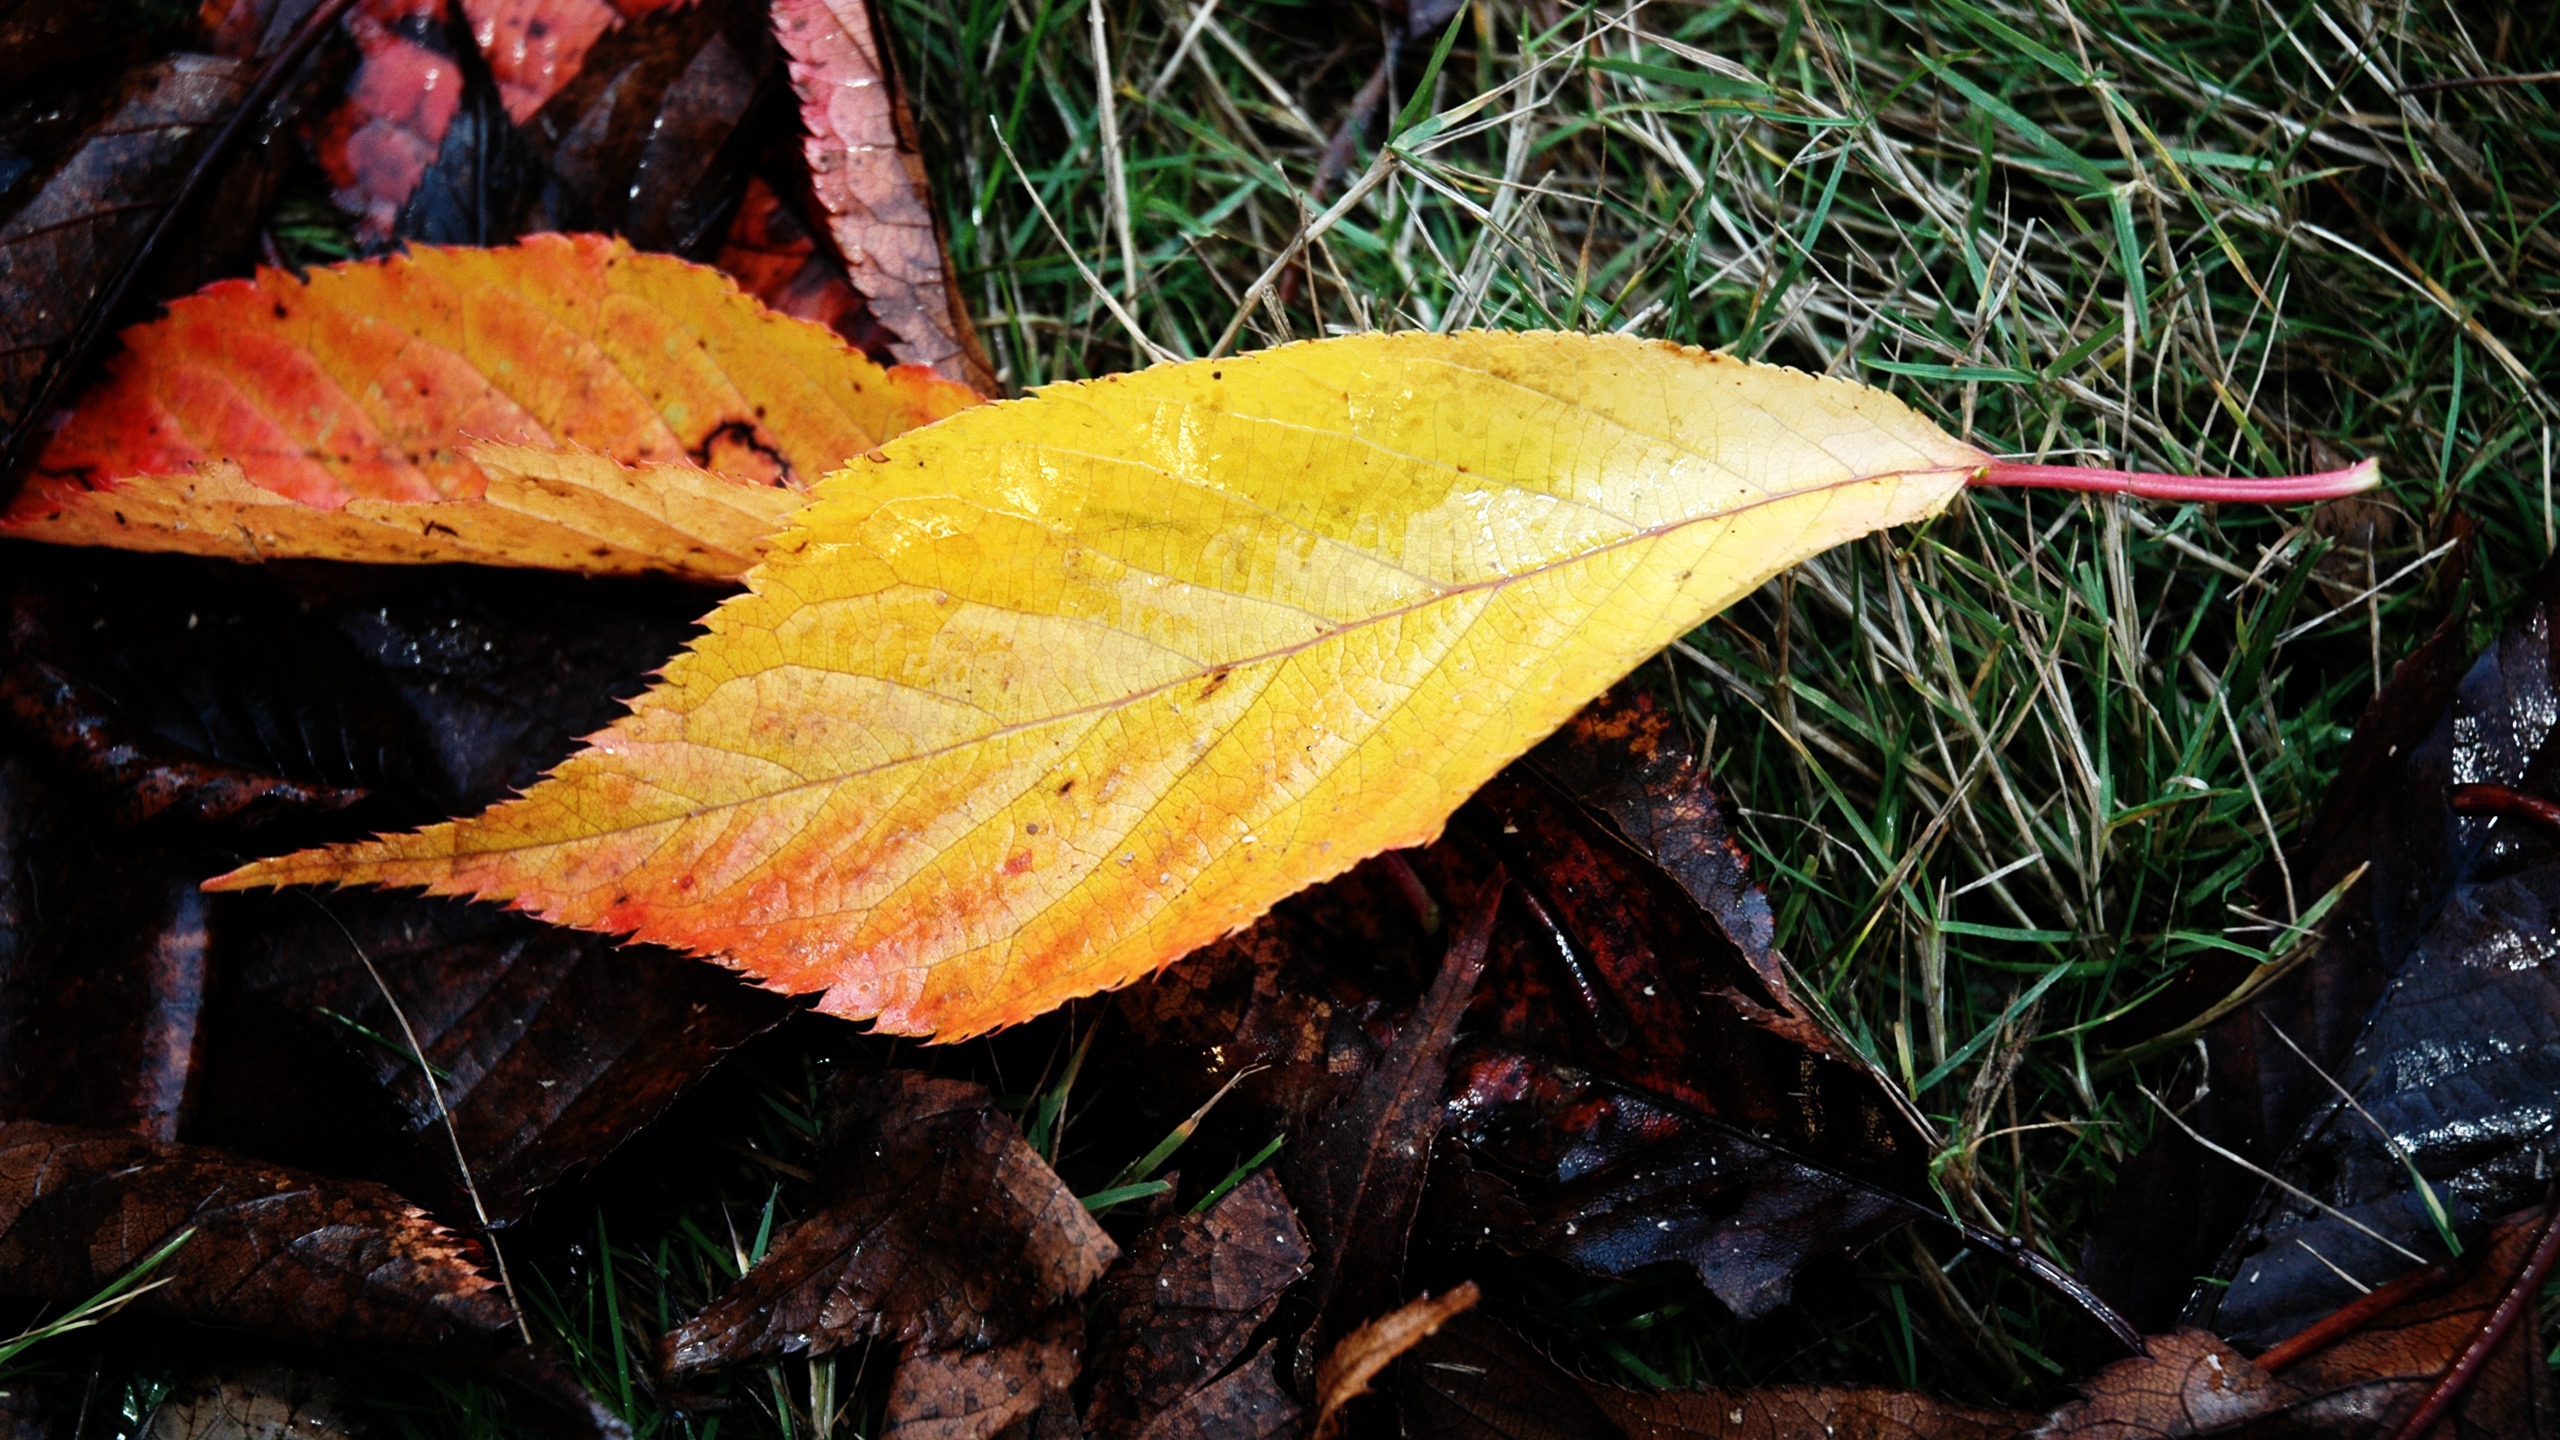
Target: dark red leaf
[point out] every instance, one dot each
(284, 1252)
(772, 256)
(1619, 970)
(534, 47)
(1184, 1301)
(644, 140)
(1627, 758)
(943, 1230)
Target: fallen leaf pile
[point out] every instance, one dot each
(645, 612)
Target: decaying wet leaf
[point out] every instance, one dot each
(947, 1393)
(1627, 759)
(1640, 1086)
(644, 138)
(96, 688)
(127, 1002)
(943, 1231)
(2363, 1372)
(536, 46)
(1475, 1380)
(1610, 1180)
(1649, 962)
(284, 1252)
(378, 143)
(1218, 629)
(2185, 1383)
(868, 173)
(103, 965)
(2432, 999)
(65, 243)
(1356, 1360)
(255, 1402)
(369, 375)
(551, 1048)
(1357, 1173)
(1183, 1302)
(1246, 1403)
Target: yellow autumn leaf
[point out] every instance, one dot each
(1033, 701)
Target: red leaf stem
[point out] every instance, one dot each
(2283, 490)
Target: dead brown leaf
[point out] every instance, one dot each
(296, 1255)
(1246, 1403)
(1357, 1175)
(944, 1233)
(255, 1402)
(1351, 1365)
(66, 243)
(1184, 1301)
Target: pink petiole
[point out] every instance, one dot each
(2284, 490)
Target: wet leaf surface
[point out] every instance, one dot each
(770, 252)
(1183, 1302)
(66, 236)
(275, 1250)
(103, 966)
(378, 143)
(1643, 1088)
(649, 136)
(944, 1231)
(1475, 1380)
(1246, 1403)
(952, 1393)
(534, 47)
(1357, 1173)
(2431, 1000)
(1611, 1180)
(2397, 1350)
(255, 1402)
(256, 1025)
(549, 1049)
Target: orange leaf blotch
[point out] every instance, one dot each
(1038, 699)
